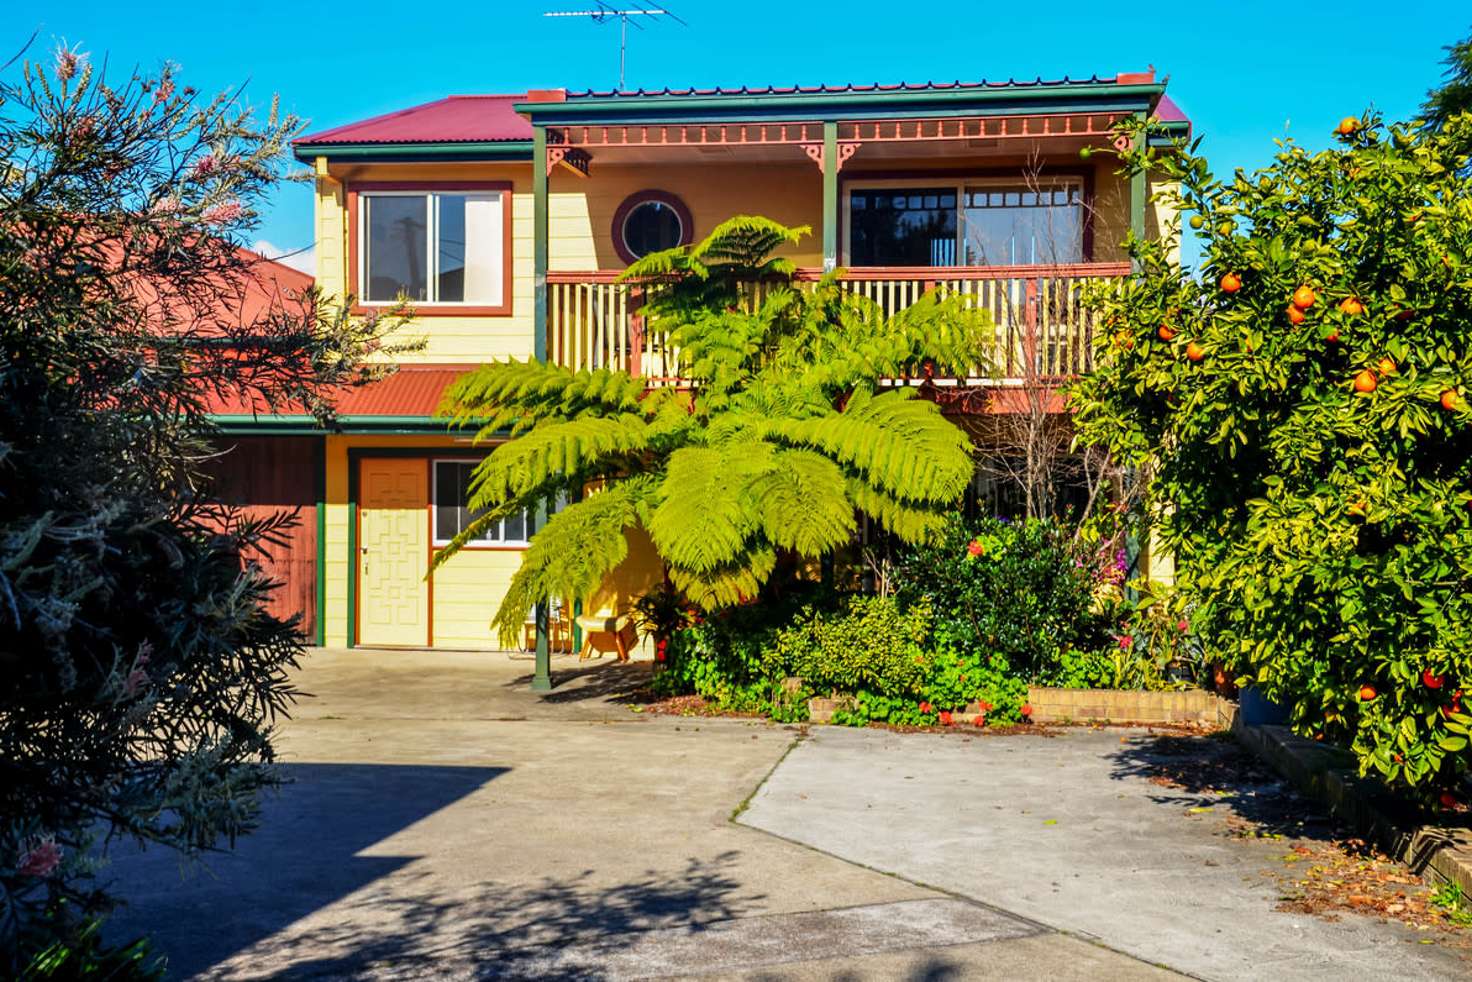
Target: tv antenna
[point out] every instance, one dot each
(606, 12)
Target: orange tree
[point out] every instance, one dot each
(1299, 406)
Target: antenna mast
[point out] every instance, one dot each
(605, 12)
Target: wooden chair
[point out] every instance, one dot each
(607, 631)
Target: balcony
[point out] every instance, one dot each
(1043, 334)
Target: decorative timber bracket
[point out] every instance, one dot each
(575, 159)
(846, 149)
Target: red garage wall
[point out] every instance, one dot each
(267, 475)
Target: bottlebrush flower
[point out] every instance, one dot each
(40, 860)
(225, 214)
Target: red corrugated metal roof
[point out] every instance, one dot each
(746, 90)
(454, 119)
(413, 390)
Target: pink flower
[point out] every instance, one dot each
(164, 90)
(136, 679)
(205, 165)
(1182, 626)
(40, 860)
(227, 213)
(67, 61)
(1124, 640)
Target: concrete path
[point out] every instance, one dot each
(443, 822)
(1071, 833)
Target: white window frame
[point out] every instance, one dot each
(431, 242)
(434, 503)
(954, 182)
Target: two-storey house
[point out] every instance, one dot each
(506, 219)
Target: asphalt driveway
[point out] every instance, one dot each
(444, 822)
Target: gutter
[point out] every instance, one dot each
(508, 150)
(268, 425)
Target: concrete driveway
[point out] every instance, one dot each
(444, 822)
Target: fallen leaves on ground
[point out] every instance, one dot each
(1325, 871)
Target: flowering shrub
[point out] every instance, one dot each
(1019, 591)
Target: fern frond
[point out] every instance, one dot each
(569, 556)
(910, 523)
(728, 585)
(802, 503)
(520, 393)
(902, 444)
(552, 450)
(704, 520)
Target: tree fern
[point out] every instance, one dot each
(781, 437)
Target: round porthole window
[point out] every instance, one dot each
(648, 222)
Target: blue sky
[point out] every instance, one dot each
(1246, 72)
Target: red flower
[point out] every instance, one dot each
(1124, 640)
(40, 860)
(1026, 710)
(945, 718)
(659, 649)
(925, 707)
(979, 719)
(1432, 680)
(1449, 800)
(975, 548)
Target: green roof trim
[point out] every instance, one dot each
(609, 106)
(247, 423)
(509, 150)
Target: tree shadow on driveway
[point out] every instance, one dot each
(304, 856)
(1215, 771)
(558, 927)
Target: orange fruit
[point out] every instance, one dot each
(1231, 283)
(1304, 297)
(1332, 337)
(1348, 126)
(1296, 316)
(1386, 366)
(1365, 381)
(1351, 306)
(1124, 339)
(1367, 692)
(1166, 332)
(1194, 351)
(1449, 400)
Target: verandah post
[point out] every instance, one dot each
(1139, 191)
(542, 673)
(830, 196)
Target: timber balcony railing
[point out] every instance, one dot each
(1042, 330)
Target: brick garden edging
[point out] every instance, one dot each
(1329, 774)
(1099, 705)
(1130, 706)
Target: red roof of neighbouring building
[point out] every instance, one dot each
(454, 119)
(413, 390)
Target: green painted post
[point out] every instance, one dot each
(542, 673)
(539, 236)
(830, 196)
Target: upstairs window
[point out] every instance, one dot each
(976, 222)
(433, 247)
